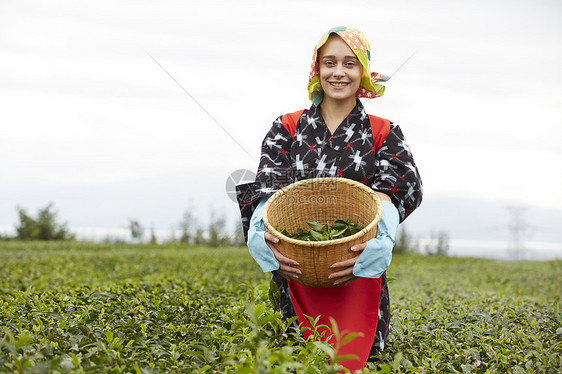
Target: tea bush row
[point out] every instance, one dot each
(78, 307)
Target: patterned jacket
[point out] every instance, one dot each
(386, 165)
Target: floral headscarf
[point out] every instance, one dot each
(371, 85)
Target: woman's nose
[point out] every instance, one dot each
(338, 71)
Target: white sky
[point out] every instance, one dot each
(82, 104)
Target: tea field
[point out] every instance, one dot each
(81, 307)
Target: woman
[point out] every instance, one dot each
(336, 137)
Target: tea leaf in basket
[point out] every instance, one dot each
(317, 236)
(340, 224)
(336, 233)
(340, 229)
(356, 226)
(282, 231)
(300, 235)
(316, 226)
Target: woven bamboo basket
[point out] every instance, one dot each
(324, 200)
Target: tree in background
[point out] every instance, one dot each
(438, 244)
(137, 231)
(44, 227)
(237, 239)
(199, 238)
(217, 235)
(404, 242)
(153, 238)
(186, 227)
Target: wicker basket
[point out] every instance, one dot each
(323, 200)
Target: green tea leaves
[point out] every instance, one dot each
(317, 235)
(320, 232)
(78, 307)
(315, 225)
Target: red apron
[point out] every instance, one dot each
(354, 307)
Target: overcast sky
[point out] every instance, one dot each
(82, 104)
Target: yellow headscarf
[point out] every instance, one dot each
(371, 85)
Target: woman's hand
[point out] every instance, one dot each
(345, 276)
(286, 265)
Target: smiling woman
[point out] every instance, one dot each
(340, 75)
(340, 78)
(336, 138)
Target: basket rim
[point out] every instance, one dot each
(323, 243)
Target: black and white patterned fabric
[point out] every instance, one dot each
(349, 152)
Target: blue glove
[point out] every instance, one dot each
(256, 241)
(376, 257)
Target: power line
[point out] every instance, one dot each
(200, 106)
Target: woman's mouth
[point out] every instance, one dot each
(338, 84)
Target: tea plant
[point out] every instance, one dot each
(75, 307)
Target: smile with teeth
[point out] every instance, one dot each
(339, 84)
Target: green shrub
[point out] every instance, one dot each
(82, 307)
(44, 227)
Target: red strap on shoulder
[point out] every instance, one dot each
(380, 128)
(290, 121)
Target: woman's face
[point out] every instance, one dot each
(340, 70)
